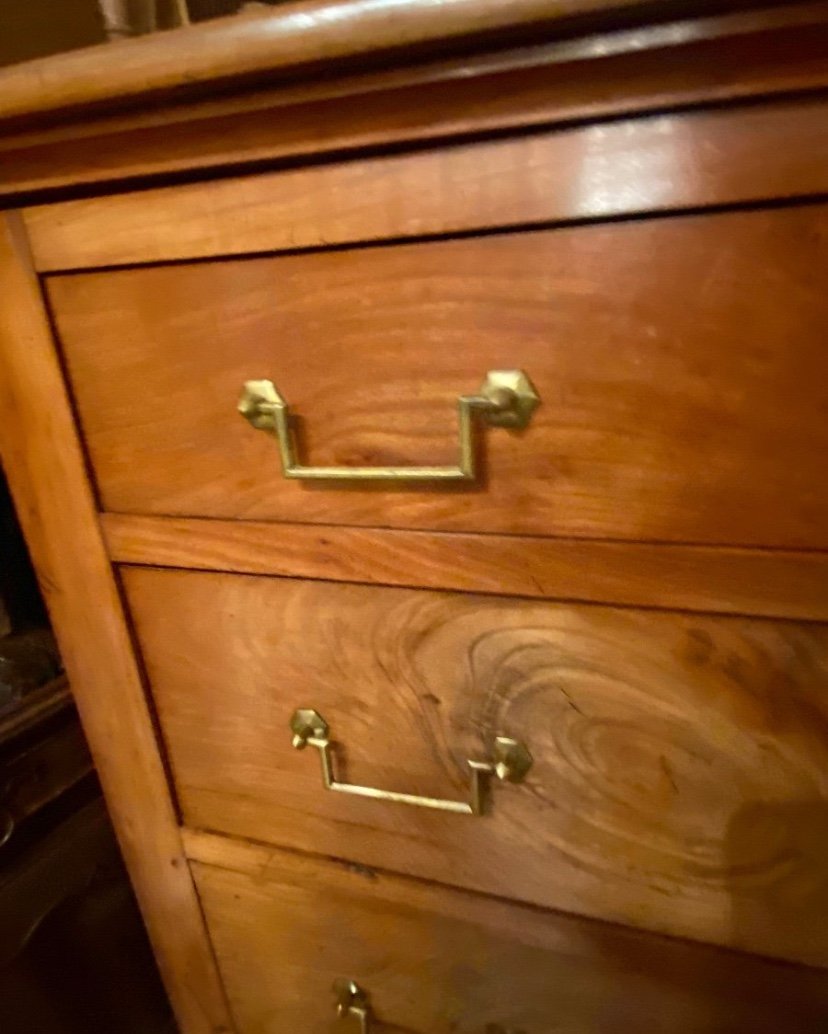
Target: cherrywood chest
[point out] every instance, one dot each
(418, 416)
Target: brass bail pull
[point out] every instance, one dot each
(506, 399)
(352, 1003)
(510, 762)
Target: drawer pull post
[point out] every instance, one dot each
(506, 399)
(510, 762)
(353, 1001)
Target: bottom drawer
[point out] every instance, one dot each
(438, 961)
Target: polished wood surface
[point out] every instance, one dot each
(761, 582)
(681, 401)
(639, 190)
(679, 781)
(296, 39)
(669, 161)
(665, 66)
(44, 464)
(676, 65)
(441, 962)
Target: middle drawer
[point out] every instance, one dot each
(680, 762)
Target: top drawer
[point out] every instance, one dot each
(680, 363)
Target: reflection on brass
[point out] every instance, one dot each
(352, 1001)
(507, 399)
(510, 762)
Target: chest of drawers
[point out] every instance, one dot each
(474, 678)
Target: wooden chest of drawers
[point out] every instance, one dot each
(477, 681)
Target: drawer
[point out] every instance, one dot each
(680, 762)
(680, 365)
(436, 961)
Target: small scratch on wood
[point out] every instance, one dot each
(665, 768)
(570, 701)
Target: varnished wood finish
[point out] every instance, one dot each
(669, 161)
(440, 962)
(676, 65)
(677, 461)
(681, 401)
(294, 40)
(698, 578)
(45, 468)
(680, 780)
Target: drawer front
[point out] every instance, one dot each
(436, 961)
(680, 762)
(680, 365)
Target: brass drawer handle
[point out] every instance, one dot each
(511, 762)
(507, 399)
(352, 1001)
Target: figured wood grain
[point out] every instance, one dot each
(649, 164)
(679, 64)
(45, 468)
(441, 962)
(294, 40)
(681, 401)
(742, 581)
(680, 778)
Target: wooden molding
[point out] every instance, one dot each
(681, 161)
(676, 64)
(293, 40)
(43, 461)
(696, 578)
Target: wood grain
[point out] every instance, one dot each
(441, 962)
(698, 578)
(681, 401)
(45, 468)
(679, 782)
(295, 40)
(668, 161)
(684, 64)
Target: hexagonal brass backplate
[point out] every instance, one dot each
(349, 994)
(515, 397)
(305, 724)
(512, 759)
(257, 403)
